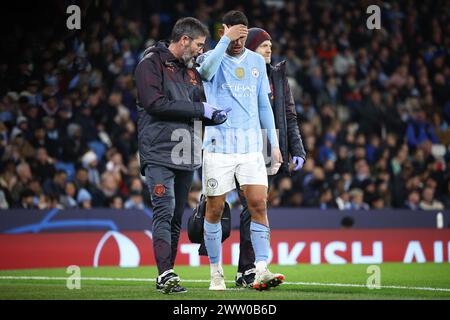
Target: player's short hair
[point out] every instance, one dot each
(234, 17)
(190, 27)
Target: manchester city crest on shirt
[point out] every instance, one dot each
(240, 73)
(255, 72)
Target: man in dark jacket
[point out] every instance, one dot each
(290, 141)
(170, 100)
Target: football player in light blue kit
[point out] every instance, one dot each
(235, 78)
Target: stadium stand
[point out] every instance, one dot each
(373, 105)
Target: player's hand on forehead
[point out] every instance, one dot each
(235, 32)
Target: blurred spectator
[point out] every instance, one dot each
(43, 167)
(54, 142)
(84, 199)
(4, 204)
(343, 162)
(343, 61)
(446, 194)
(55, 184)
(285, 191)
(326, 151)
(329, 95)
(429, 202)
(89, 161)
(135, 201)
(377, 202)
(362, 175)
(109, 186)
(326, 200)
(413, 201)
(53, 202)
(68, 199)
(370, 115)
(23, 179)
(85, 120)
(343, 201)
(116, 166)
(82, 182)
(356, 200)
(73, 145)
(312, 184)
(27, 199)
(116, 202)
(420, 130)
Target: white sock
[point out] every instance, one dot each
(215, 267)
(261, 266)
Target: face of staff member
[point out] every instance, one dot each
(265, 49)
(186, 48)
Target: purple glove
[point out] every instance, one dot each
(209, 109)
(299, 162)
(220, 116)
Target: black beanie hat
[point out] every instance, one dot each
(255, 37)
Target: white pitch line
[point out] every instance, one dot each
(365, 286)
(228, 281)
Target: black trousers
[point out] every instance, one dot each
(169, 189)
(246, 252)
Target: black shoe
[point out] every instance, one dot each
(176, 289)
(249, 278)
(179, 289)
(167, 281)
(245, 279)
(239, 280)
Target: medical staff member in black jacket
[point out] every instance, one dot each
(170, 100)
(290, 141)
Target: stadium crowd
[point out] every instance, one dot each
(373, 105)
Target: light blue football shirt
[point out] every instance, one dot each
(239, 83)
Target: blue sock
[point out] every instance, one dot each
(260, 235)
(213, 240)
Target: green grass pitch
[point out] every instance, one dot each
(398, 281)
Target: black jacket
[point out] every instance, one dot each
(283, 106)
(170, 98)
